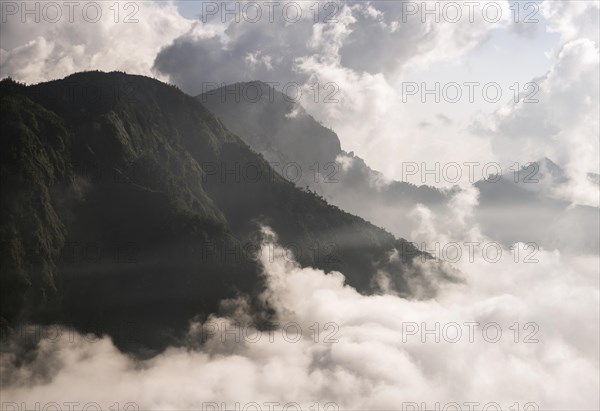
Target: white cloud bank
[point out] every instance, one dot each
(380, 361)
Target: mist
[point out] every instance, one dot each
(510, 333)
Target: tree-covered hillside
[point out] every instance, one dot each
(125, 200)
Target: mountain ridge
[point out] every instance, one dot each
(504, 206)
(133, 171)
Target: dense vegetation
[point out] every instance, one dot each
(114, 187)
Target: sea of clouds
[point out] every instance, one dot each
(337, 349)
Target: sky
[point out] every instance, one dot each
(366, 63)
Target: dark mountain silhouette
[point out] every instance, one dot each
(125, 202)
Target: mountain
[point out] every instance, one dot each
(272, 124)
(525, 210)
(525, 205)
(281, 130)
(126, 203)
